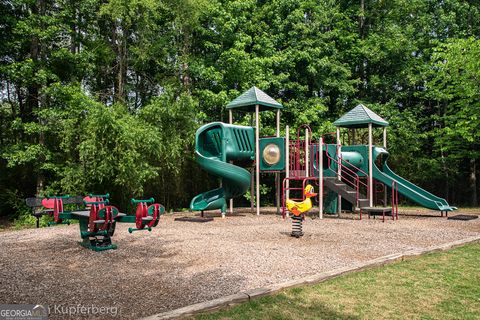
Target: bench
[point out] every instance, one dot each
(39, 210)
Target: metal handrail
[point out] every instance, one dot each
(342, 167)
(306, 126)
(295, 161)
(354, 167)
(350, 164)
(350, 173)
(284, 189)
(295, 164)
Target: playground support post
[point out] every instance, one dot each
(277, 174)
(252, 189)
(257, 156)
(252, 178)
(385, 138)
(287, 162)
(339, 169)
(278, 123)
(370, 165)
(320, 177)
(230, 121)
(307, 165)
(385, 147)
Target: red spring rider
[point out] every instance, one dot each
(146, 217)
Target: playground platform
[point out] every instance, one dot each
(182, 263)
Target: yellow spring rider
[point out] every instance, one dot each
(298, 209)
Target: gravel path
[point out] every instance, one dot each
(181, 263)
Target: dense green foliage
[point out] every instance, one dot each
(106, 95)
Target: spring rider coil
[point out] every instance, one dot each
(297, 226)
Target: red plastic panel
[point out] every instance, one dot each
(48, 203)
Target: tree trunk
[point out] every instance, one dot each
(122, 65)
(361, 19)
(21, 106)
(184, 72)
(119, 44)
(442, 112)
(473, 182)
(73, 32)
(121, 75)
(40, 98)
(363, 61)
(31, 101)
(447, 176)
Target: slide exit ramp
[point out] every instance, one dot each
(405, 187)
(216, 145)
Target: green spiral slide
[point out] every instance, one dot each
(216, 145)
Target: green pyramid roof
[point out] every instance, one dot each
(360, 117)
(253, 96)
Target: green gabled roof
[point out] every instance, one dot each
(253, 96)
(360, 117)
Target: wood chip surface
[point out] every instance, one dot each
(182, 263)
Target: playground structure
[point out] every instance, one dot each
(224, 149)
(351, 175)
(354, 172)
(97, 222)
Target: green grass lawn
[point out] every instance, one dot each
(443, 285)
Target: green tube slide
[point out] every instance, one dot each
(216, 145)
(405, 187)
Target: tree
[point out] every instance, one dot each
(91, 90)
(455, 85)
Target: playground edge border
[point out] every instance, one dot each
(244, 296)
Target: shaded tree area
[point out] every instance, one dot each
(103, 96)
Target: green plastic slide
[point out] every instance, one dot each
(217, 144)
(406, 188)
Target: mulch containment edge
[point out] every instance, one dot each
(244, 296)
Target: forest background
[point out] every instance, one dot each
(105, 96)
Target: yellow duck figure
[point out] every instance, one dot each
(298, 209)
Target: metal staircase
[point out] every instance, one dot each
(348, 193)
